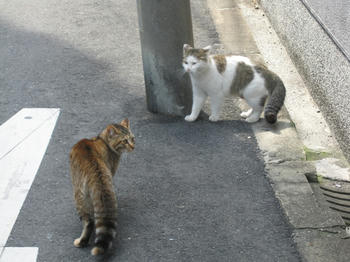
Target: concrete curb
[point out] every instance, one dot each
(317, 231)
(323, 66)
(319, 143)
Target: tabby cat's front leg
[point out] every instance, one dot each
(199, 98)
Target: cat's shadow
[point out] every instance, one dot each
(277, 128)
(109, 256)
(258, 127)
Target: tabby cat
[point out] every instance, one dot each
(219, 76)
(93, 163)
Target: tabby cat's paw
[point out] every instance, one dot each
(190, 118)
(78, 243)
(213, 118)
(97, 251)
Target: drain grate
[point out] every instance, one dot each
(338, 199)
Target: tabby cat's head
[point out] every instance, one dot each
(194, 60)
(119, 136)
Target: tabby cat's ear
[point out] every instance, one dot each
(125, 123)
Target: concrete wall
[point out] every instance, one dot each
(324, 68)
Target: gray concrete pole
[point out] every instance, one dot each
(165, 26)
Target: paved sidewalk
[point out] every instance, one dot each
(293, 150)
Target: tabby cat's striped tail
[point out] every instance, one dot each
(105, 213)
(275, 102)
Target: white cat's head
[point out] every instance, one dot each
(195, 60)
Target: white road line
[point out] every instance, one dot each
(22, 125)
(23, 139)
(19, 254)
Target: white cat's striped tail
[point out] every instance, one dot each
(275, 101)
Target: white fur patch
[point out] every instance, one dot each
(207, 81)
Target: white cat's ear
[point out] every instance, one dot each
(207, 48)
(187, 47)
(125, 123)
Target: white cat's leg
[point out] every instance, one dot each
(255, 116)
(255, 95)
(216, 106)
(199, 98)
(247, 113)
(257, 109)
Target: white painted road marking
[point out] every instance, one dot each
(19, 254)
(22, 125)
(23, 139)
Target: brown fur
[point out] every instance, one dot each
(244, 74)
(220, 62)
(93, 163)
(201, 54)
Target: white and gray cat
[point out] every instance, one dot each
(219, 76)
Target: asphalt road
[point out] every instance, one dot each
(189, 191)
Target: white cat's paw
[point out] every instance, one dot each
(213, 118)
(247, 113)
(190, 118)
(253, 119)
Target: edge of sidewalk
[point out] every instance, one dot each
(317, 231)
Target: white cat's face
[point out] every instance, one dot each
(192, 64)
(194, 60)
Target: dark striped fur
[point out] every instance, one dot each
(93, 163)
(277, 93)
